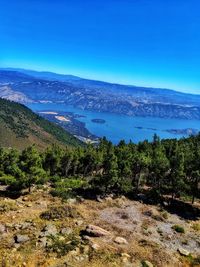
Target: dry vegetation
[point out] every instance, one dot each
(41, 230)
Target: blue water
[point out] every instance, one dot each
(118, 127)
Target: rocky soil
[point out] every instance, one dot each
(40, 230)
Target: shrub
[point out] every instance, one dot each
(67, 188)
(60, 212)
(196, 226)
(6, 206)
(165, 215)
(7, 179)
(178, 229)
(62, 246)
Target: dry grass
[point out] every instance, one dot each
(121, 217)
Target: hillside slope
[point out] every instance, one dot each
(20, 127)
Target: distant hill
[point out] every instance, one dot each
(20, 127)
(25, 86)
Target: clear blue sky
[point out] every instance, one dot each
(141, 42)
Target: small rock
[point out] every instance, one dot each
(49, 229)
(99, 199)
(95, 246)
(147, 264)
(96, 231)
(21, 238)
(125, 255)
(25, 225)
(29, 205)
(2, 229)
(120, 241)
(79, 222)
(71, 201)
(183, 252)
(43, 241)
(25, 199)
(16, 245)
(66, 231)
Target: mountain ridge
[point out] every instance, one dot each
(104, 97)
(53, 76)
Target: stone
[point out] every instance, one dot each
(96, 231)
(99, 199)
(2, 228)
(71, 201)
(95, 246)
(21, 238)
(48, 230)
(25, 225)
(120, 240)
(66, 231)
(43, 241)
(29, 205)
(147, 264)
(183, 252)
(125, 255)
(79, 222)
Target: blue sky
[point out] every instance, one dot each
(142, 42)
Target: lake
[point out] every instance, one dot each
(118, 127)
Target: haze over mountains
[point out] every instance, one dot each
(31, 86)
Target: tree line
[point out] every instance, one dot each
(162, 167)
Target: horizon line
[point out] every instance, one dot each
(98, 80)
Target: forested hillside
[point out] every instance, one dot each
(20, 127)
(167, 167)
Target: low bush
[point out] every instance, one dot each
(60, 212)
(62, 246)
(7, 179)
(66, 188)
(178, 229)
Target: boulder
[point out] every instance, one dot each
(21, 238)
(96, 231)
(183, 252)
(48, 230)
(120, 240)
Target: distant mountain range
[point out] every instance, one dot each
(31, 86)
(20, 127)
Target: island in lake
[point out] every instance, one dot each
(187, 131)
(101, 121)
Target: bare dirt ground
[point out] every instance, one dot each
(147, 230)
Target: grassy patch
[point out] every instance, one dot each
(196, 227)
(6, 206)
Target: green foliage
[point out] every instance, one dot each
(7, 179)
(66, 188)
(178, 229)
(163, 167)
(61, 246)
